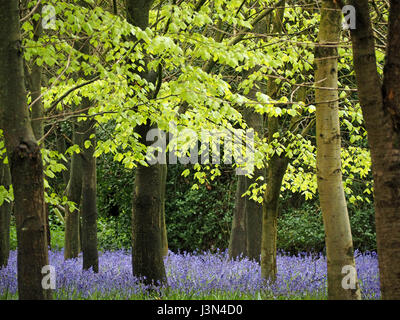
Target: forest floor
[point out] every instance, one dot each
(196, 276)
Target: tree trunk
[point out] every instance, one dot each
(253, 209)
(238, 237)
(74, 193)
(275, 173)
(89, 206)
(25, 159)
(147, 255)
(5, 215)
(35, 82)
(381, 109)
(276, 169)
(338, 239)
(147, 252)
(61, 148)
(163, 226)
(37, 109)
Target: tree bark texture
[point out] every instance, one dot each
(25, 158)
(338, 238)
(89, 203)
(238, 237)
(147, 248)
(5, 216)
(276, 169)
(74, 193)
(163, 226)
(380, 103)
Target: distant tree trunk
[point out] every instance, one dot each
(81, 188)
(238, 237)
(89, 206)
(253, 209)
(381, 110)
(74, 193)
(61, 148)
(5, 215)
(37, 109)
(163, 226)
(276, 169)
(25, 159)
(88, 226)
(147, 251)
(338, 239)
(35, 87)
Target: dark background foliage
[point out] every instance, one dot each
(200, 219)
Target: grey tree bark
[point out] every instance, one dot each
(238, 236)
(338, 238)
(147, 252)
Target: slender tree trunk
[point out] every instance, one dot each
(147, 251)
(25, 158)
(253, 209)
(5, 216)
(163, 226)
(338, 239)
(61, 148)
(89, 206)
(74, 193)
(381, 110)
(88, 226)
(37, 109)
(238, 237)
(275, 172)
(81, 176)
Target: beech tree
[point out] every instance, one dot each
(276, 168)
(338, 238)
(147, 247)
(81, 225)
(380, 103)
(89, 192)
(246, 231)
(72, 242)
(253, 209)
(89, 177)
(24, 156)
(34, 82)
